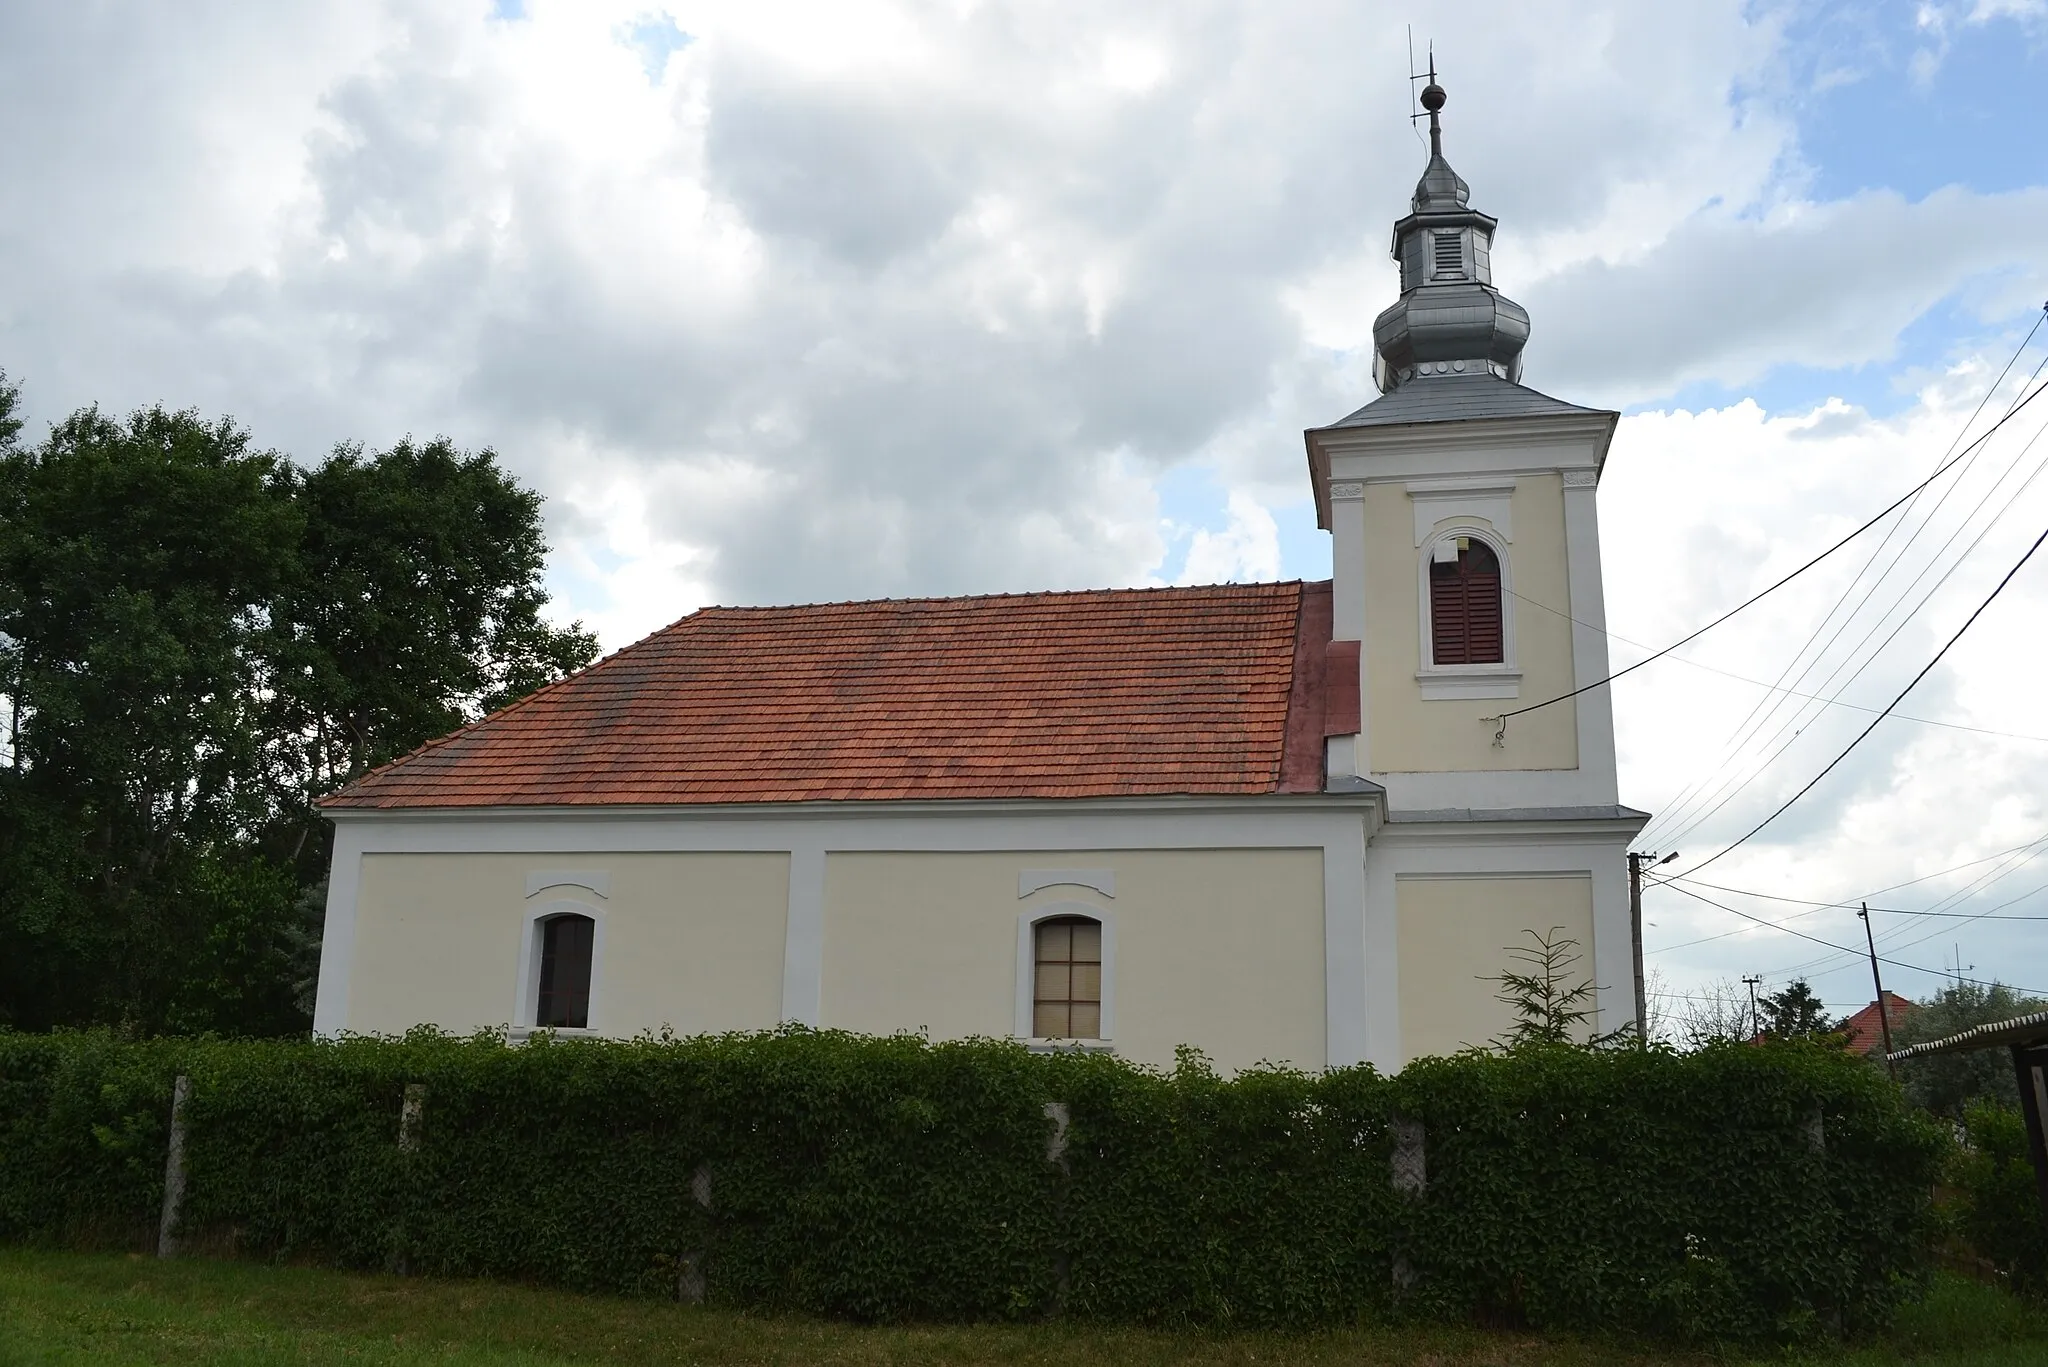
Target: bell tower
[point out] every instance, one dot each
(1468, 615)
(1466, 555)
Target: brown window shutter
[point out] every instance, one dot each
(1465, 612)
(1483, 637)
(1447, 613)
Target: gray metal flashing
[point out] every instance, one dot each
(2029, 1029)
(1604, 812)
(1458, 398)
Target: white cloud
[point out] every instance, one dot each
(1247, 549)
(884, 298)
(1700, 510)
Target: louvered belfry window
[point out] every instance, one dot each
(565, 944)
(1066, 991)
(1465, 606)
(1450, 254)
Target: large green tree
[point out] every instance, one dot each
(1947, 1083)
(137, 561)
(197, 639)
(416, 608)
(1794, 1012)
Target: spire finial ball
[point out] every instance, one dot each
(1432, 97)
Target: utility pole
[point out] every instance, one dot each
(1756, 1025)
(1636, 864)
(1884, 1015)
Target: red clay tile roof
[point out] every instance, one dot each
(1047, 695)
(1866, 1033)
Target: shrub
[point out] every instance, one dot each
(1999, 1205)
(892, 1178)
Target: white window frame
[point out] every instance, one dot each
(527, 1006)
(1501, 680)
(1027, 974)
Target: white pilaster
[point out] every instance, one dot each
(803, 945)
(1589, 637)
(1347, 961)
(338, 934)
(1347, 601)
(1382, 962)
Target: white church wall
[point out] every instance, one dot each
(1456, 932)
(375, 977)
(1513, 856)
(690, 941)
(1221, 949)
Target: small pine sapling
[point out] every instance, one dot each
(1552, 1003)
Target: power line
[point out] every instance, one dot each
(1851, 906)
(1759, 683)
(1958, 868)
(1815, 908)
(1877, 892)
(1887, 511)
(1765, 708)
(1879, 718)
(1727, 794)
(2014, 859)
(1829, 944)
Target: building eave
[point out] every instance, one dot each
(1593, 429)
(1371, 802)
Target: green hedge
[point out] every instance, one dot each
(1999, 1207)
(890, 1178)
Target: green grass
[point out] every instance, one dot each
(66, 1308)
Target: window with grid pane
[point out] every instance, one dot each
(1066, 995)
(1465, 607)
(565, 943)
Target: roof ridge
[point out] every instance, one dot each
(991, 597)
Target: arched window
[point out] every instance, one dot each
(565, 945)
(1066, 993)
(1464, 604)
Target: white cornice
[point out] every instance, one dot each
(1559, 442)
(1540, 831)
(1170, 804)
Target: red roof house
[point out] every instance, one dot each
(1866, 1033)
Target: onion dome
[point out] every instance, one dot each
(1449, 320)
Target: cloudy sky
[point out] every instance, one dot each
(800, 301)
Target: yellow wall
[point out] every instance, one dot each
(1409, 734)
(1221, 949)
(1455, 934)
(691, 941)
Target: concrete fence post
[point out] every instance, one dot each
(411, 1113)
(174, 1172)
(1059, 1117)
(690, 1285)
(1815, 1129)
(1408, 1171)
(1056, 1143)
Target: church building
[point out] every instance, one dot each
(1277, 822)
